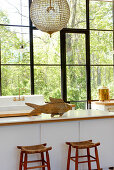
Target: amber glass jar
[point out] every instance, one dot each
(104, 94)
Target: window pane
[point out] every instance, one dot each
(102, 76)
(101, 47)
(77, 14)
(12, 39)
(46, 49)
(76, 83)
(14, 12)
(101, 14)
(75, 48)
(13, 78)
(79, 105)
(47, 81)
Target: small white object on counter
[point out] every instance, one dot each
(103, 105)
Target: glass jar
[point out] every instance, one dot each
(104, 94)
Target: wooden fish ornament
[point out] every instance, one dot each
(54, 107)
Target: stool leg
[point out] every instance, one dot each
(97, 158)
(25, 162)
(88, 156)
(21, 161)
(68, 160)
(48, 161)
(42, 156)
(76, 161)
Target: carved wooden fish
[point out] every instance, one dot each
(56, 106)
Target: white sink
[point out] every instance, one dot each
(8, 100)
(15, 108)
(9, 106)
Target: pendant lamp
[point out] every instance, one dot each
(50, 15)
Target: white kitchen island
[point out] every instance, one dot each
(74, 125)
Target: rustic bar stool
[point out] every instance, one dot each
(83, 145)
(26, 150)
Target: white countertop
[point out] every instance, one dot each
(71, 115)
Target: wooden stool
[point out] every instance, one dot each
(25, 150)
(83, 145)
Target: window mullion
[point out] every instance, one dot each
(31, 51)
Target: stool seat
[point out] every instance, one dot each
(34, 148)
(83, 144)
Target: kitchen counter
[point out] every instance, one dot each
(71, 115)
(74, 125)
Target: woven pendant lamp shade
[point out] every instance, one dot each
(49, 15)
